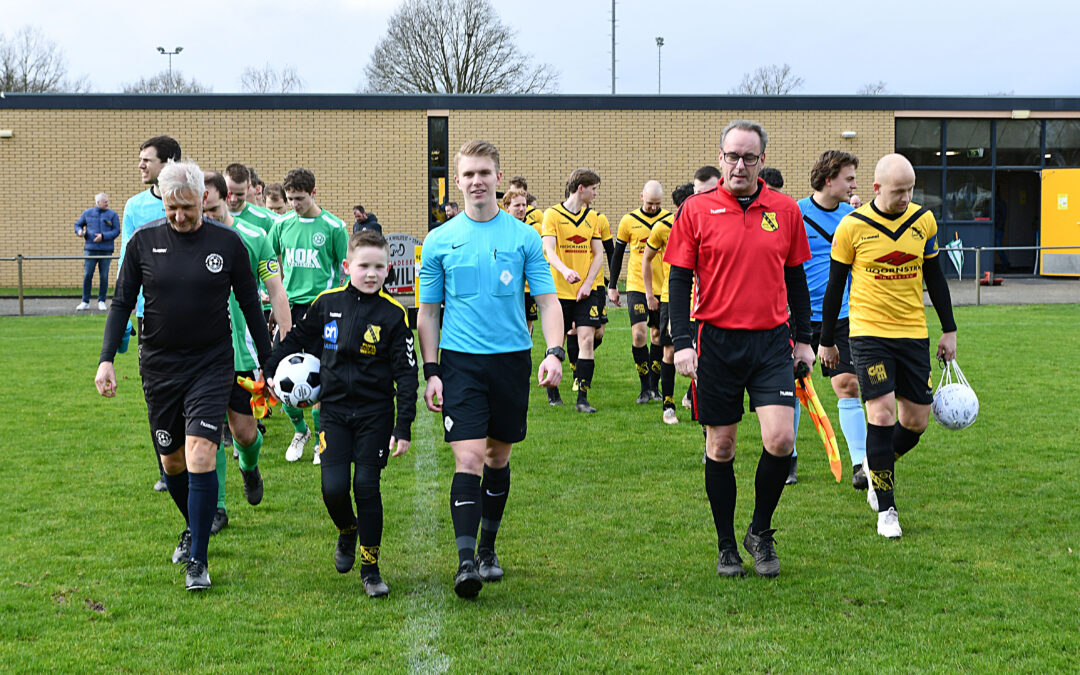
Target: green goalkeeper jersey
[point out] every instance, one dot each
(311, 251)
(264, 265)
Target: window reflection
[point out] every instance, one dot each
(968, 195)
(1018, 142)
(919, 141)
(968, 142)
(1063, 143)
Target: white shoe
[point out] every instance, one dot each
(82, 306)
(670, 417)
(686, 402)
(888, 524)
(101, 306)
(316, 451)
(296, 447)
(871, 496)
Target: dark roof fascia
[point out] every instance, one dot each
(13, 101)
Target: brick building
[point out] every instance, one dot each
(393, 154)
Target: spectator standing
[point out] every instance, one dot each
(98, 226)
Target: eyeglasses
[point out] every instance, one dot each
(747, 160)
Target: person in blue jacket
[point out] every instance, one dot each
(98, 226)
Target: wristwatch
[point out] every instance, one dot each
(557, 352)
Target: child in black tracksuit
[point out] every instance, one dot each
(362, 338)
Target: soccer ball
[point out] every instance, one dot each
(955, 406)
(296, 382)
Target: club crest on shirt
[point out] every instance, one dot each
(371, 333)
(318, 239)
(917, 232)
(214, 263)
(768, 222)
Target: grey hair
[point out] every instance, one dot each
(99, 196)
(179, 177)
(744, 125)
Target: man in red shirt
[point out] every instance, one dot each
(745, 243)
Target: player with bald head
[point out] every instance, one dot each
(889, 247)
(633, 233)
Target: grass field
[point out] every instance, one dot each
(608, 542)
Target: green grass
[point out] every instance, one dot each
(73, 292)
(608, 542)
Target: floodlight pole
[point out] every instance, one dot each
(659, 44)
(162, 50)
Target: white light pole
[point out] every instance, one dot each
(659, 44)
(162, 50)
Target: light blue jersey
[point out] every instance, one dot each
(139, 211)
(479, 271)
(820, 226)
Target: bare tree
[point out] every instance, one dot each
(453, 47)
(31, 62)
(160, 84)
(872, 89)
(770, 80)
(266, 80)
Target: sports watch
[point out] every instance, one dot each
(557, 352)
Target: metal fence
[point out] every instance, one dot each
(20, 259)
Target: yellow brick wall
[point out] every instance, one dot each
(58, 159)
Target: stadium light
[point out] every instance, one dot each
(162, 50)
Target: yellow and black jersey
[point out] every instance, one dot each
(634, 230)
(886, 254)
(573, 234)
(535, 217)
(657, 241)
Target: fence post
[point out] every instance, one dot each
(18, 263)
(978, 274)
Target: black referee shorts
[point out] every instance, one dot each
(485, 395)
(844, 365)
(580, 313)
(187, 405)
(885, 365)
(356, 436)
(732, 361)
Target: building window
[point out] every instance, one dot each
(1018, 142)
(438, 158)
(928, 190)
(967, 143)
(968, 195)
(1062, 143)
(919, 141)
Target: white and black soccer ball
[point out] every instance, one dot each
(955, 406)
(296, 381)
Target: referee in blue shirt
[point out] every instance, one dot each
(476, 265)
(833, 182)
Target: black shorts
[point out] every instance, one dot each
(731, 361)
(298, 311)
(900, 365)
(355, 436)
(665, 325)
(842, 345)
(531, 312)
(600, 295)
(639, 311)
(240, 398)
(187, 405)
(485, 395)
(580, 313)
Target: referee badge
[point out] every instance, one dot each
(768, 222)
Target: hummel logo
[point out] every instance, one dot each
(211, 427)
(715, 211)
(159, 250)
(457, 245)
(786, 393)
(457, 503)
(335, 315)
(495, 494)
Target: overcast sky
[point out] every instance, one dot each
(944, 47)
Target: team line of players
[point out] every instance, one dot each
(314, 249)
